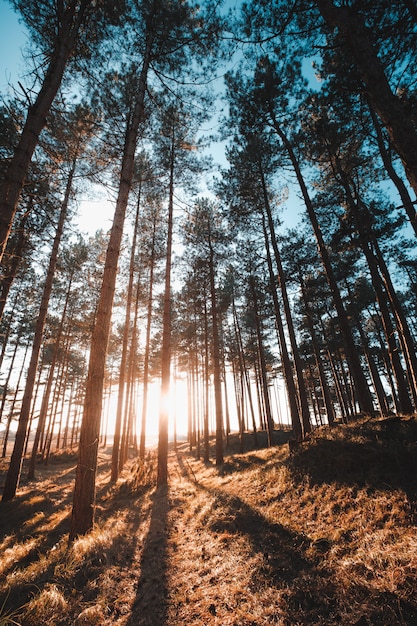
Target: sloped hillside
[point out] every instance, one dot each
(324, 534)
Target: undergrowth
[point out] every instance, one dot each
(323, 534)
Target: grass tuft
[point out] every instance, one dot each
(324, 534)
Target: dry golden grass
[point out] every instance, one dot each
(323, 535)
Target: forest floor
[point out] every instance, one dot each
(325, 534)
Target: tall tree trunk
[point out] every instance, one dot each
(14, 401)
(36, 119)
(367, 238)
(262, 363)
(147, 345)
(408, 204)
(16, 256)
(216, 359)
(162, 472)
(403, 327)
(5, 384)
(84, 492)
(121, 398)
(13, 474)
(286, 362)
(244, 369)
(206, 429)
(47, 392)
(331, 416)
(352, 356)
(355, 37)
(302, 394)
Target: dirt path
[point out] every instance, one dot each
(200, 551)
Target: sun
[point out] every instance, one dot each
(177, 406)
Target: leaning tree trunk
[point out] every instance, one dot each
(356, 39)
(362, 389)
(13, 474)
(302, 392)
(36, 119)
(84, 492)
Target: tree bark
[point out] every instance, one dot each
(361, 384)
(13, 473)
(162, 472)
(82, 519)
(36, 119)
(355, 37)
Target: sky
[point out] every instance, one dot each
(93, 214)
(13, 39)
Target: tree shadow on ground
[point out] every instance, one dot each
(151, 602)
(35, 526)
(295, 565)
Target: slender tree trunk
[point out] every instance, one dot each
(147, 345)
(9, 373)
(302, 395)
(84, 492)
(36, 119)
(245, 372)
(331, 416)
(262, 363)
(352, 356)
(121, 398)
(408, 204)
(366, 239)
(206, 433)
(162, 473)
(14, 401)
(286, 362)
(401, 322)
(47, 392)
(7, 330)
(16, 256)
(216, 360)
(13, 474)
(357, 40)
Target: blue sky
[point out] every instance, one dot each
(12, 41)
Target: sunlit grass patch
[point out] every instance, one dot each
(47, 608)
(91, 616)
(11, 557)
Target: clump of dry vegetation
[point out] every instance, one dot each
(324, 534)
